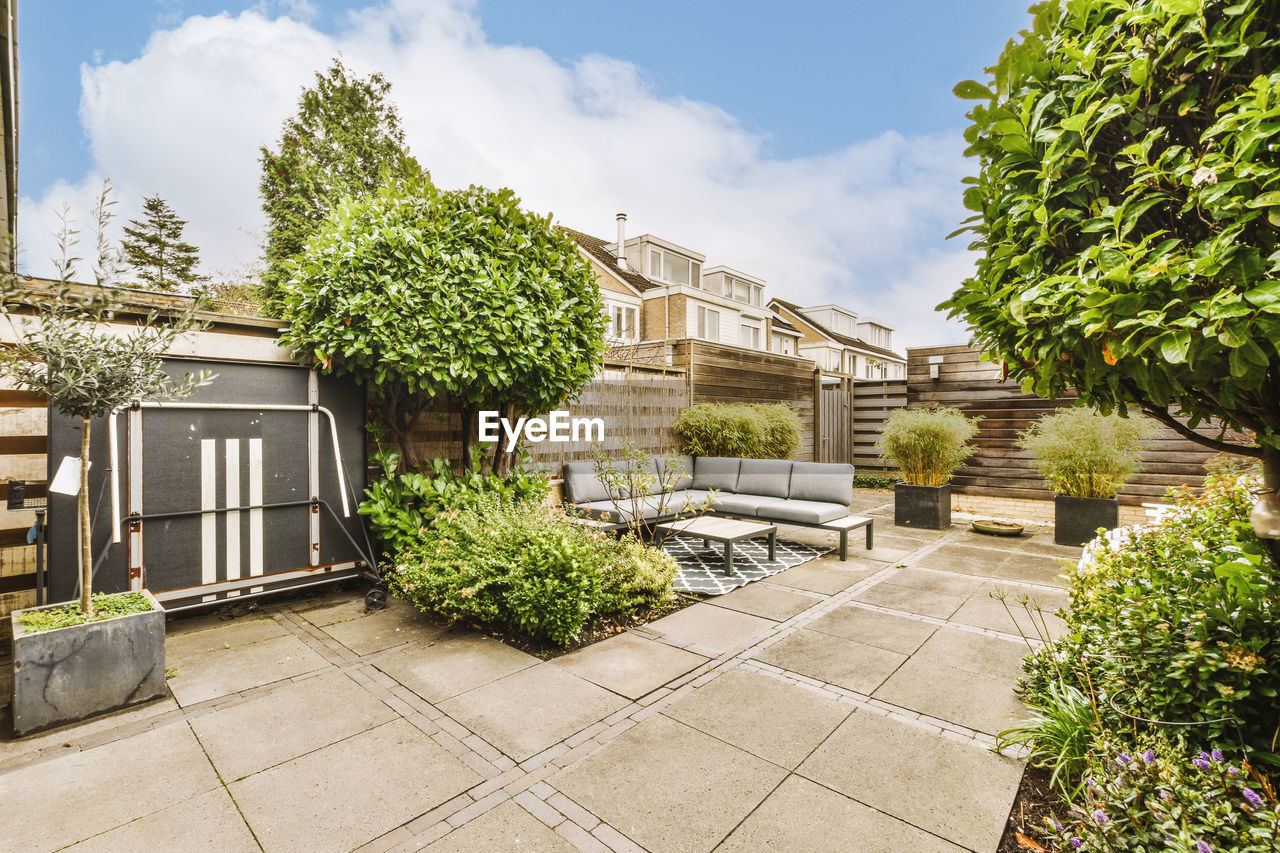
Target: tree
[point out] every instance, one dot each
(344, 141)
(154, 247)
(66, 352)
(1127, 209)
(433, 297)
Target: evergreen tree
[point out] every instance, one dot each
(154, 248)
(344, 141)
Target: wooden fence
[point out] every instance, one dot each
(999, 468)
(719, 373)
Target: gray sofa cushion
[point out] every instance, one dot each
(829, 482)
(716, 472)
(619, 513)
(768, 477)
(648, 470)
(735, 504)
(685, 482)
(805, 512)
(581, 485)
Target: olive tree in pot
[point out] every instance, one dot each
(1086, 457)
(77, 659)
(927, 446)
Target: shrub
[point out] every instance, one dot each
(1083, 453)
(400, 506)
(1162, 798)
(524, 566)
(1178, 622)
(746, 430)
(872, 481)
(927, 445)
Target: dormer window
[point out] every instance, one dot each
(741, 290)
(674, 269)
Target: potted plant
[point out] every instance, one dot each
(1086, 457)
(76, 659)
(927, 446)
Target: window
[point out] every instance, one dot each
(622, 322)
(673, 268)
(783, 345)
(742, 291)
(749, 336)
(833, 360)
(708, 324)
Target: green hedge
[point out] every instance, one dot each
(746, 430)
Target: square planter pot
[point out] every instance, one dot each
(928, 507)
(68, 674)
(1076, 520)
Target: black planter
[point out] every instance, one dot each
(1076, 520)
(927, 507)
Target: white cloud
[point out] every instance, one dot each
(861, 225)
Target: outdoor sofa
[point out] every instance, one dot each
(774, 491)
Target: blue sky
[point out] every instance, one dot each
(775, 96)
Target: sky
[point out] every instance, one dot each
(814, 144)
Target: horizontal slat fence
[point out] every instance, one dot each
(873, 402)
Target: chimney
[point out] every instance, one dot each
(622, 241)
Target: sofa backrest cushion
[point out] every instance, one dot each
(831, 482)
(581, 485)
(768, 477)
(680, 485)
(716, 472)
(648, 471)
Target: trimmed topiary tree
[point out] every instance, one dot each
(1127, 212)
(434, 298)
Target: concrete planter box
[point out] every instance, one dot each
(928, 507)
(1076, 520)
(69, 674)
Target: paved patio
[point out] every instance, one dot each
(835, 706)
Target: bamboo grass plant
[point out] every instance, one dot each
(928, 445)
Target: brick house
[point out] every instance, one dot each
(840, 340)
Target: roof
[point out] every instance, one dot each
(781, 322)
(859, 343)
(599, 249)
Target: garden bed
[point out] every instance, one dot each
(1033, 807)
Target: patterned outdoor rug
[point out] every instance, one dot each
(702, 569)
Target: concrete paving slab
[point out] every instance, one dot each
(1033, 569)
(768, 718)
(959, 791)
(453, 664)
(911, 600)
(629, 664)
(826, 576)
(713, 627)
(337, 608)
(70, 798)
(341, 796)
(225, 671)
(981, 654)
(965, 559)
(210, 822)
(506, 827)
(835, 660)
(962, 586)
(287, 722)
(531, 710)
(383, 629)
(984, 611)
(218, 636)
(974, 700)
(803, 817)
(766, 601)
(669, 787)
(873, 628)
(11, 747)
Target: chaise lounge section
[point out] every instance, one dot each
(779, 491)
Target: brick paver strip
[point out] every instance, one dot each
(539, 809)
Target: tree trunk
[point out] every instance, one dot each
(86, 543)
(467, 412)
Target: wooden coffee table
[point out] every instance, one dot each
(727, 530)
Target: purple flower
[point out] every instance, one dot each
(1166, 795)
(1149, 756)
(1216, 755)
(1100, 816)
(1123, 759)
(1252, 796)
(1092, 784)
(1203, 847)
(1232, 771)
(1201, 763)
(1057, 825)
(1077, 843)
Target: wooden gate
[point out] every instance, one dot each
(835, 426)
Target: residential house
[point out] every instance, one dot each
(838, 339)
(657, 291)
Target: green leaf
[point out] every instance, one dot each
(1174, 346)
(972, 90)
(1264, 294)
(1180, 7)
(1270, 199)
